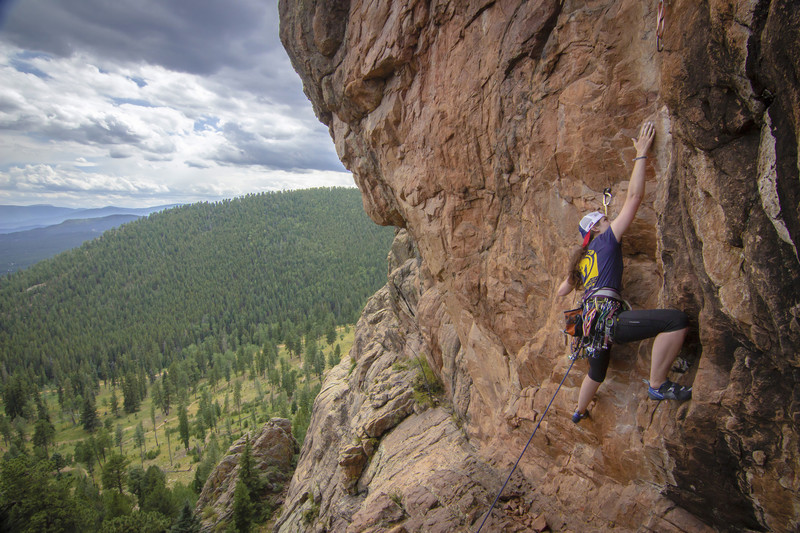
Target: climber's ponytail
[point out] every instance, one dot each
(574, 273)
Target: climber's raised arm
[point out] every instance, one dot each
(636, 186)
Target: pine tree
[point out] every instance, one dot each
(249, 487)
(71, 403)
(138, 437)
(131, 393)
(42, 412)
(114, 403)
(187, 521)
(34, 500)
(156, 496)
(183, 425)
(153, 420)
(89, 417)
(103, 442)
(319, 363)
(237, 399)
(43, 433)
(246, 464)
(335, 356)
(242, 508)
(118, 437)
(167, 395)
(6, 429)
(310, 358)
(289, 380)
(114, 472)
(15, 396)
(169, 444)
(84, 453)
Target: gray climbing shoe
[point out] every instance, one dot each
(670, 391)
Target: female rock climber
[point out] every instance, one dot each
(597, 268)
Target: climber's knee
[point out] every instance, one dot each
(598, 366)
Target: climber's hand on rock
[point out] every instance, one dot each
(646, 134)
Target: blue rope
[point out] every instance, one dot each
(526, 447)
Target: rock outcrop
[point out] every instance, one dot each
(384, 455)
(486, 129)
(273, 447)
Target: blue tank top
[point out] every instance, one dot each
(602, 264)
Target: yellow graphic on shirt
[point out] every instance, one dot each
(588, 269)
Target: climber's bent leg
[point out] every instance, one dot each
(638, 325)
(666, 347)
(668, 326)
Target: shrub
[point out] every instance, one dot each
(426, 385)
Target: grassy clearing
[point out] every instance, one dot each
(181, 466)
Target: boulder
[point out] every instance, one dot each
(273, 448)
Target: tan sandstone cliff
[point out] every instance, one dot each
(485, 129)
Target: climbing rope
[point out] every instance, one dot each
(526, 447)
(660, 27)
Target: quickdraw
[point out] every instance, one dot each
(660, 26)
(607, 196)
(598, 320)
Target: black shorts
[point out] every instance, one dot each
(635, 326)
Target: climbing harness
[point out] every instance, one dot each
(660, 26)
(592, 325)
(607, 196)
(526, 446)
(598, 321)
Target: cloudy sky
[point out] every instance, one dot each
(148, 102)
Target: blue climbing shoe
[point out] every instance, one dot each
(670, 391)
(577, 417)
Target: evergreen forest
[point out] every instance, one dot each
(226, 273)
(131, 363)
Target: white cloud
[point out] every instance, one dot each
(74, 187)
(89, 115)
(50, 178)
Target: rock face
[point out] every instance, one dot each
(273, 448)
(382, 456)
(486, 129)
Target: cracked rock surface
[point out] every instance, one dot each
(485, 129)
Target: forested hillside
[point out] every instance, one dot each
(229, 273)
(193, 326)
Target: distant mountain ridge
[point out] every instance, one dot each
(22, 249)
(29, 234)
(14, 218)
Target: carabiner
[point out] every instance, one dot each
(607, 196)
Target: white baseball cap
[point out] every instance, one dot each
(587, 223)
